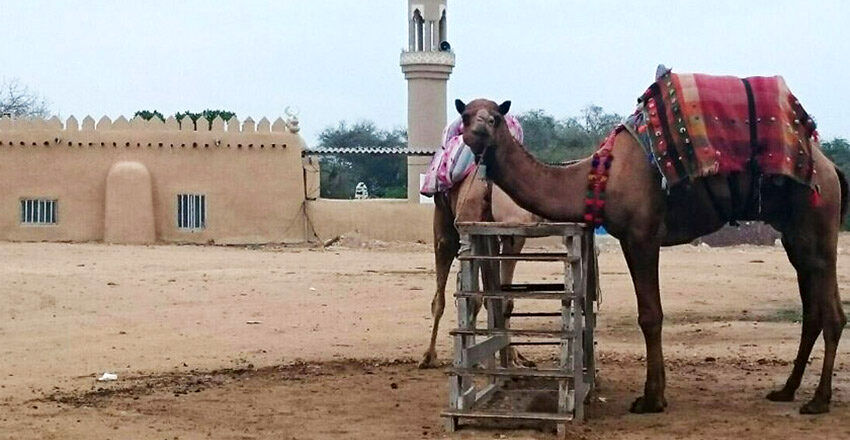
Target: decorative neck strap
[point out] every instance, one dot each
(597, 180)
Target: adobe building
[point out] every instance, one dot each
(151, 181)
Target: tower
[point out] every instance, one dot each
(426, 64)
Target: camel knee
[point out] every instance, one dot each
(438, 305)
(650, 323)
(446, 246)
(834, 323)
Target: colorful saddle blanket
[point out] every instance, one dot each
(698, 125)
(455, 160)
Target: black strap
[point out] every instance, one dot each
(741, 206)
(751, 109)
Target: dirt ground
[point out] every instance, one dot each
(301, 343)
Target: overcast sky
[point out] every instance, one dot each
(338, 59)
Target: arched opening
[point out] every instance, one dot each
(418, 23)
(443, 36)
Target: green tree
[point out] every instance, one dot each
(554, 141)
(384, 174)
(208, 115)
(147, 115)
(838, 150)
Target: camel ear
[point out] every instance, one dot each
(504, 107)
(460, 106)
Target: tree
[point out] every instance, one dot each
(838, 150)
(208, 114)
(385, 175)
(147, 115)
(555, 141)
(18, 101)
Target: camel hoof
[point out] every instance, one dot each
(429, 360)
(815, 407)
(781, 396)
(642, 405)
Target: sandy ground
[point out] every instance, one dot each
(299, 343)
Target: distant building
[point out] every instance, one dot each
(144, 182)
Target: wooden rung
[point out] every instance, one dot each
(518, 332)
(534, 314)
(533, 287)
(512, 372)
(536, 256)
(521, 229)
(516, 295)
(507, 415)
(535, 343)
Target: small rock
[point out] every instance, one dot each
(107, 377)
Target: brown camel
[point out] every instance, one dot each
(473, 199)
(638, 213)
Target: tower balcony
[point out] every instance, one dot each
(427, 64)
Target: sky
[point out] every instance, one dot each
(338, 59)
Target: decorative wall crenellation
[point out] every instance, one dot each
(138, 132)
(171, 124)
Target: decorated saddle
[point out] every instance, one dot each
(695, 125)
(455, 160)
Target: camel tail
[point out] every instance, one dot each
(845, 198)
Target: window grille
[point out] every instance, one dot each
(39, 211)
(191, 211)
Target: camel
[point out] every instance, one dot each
(470, 200)
(643, 218)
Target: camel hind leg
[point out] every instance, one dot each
(810, 240)
(811, 329)
(446, 245)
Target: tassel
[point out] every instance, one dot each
(815, 197)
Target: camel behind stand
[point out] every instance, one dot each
(472, 199)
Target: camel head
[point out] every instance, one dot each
(481, 120)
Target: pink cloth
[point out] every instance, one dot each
(455, 160)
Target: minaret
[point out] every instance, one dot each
(426, 64)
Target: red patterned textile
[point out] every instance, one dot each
(701, 125)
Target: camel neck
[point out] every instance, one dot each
(555, 193)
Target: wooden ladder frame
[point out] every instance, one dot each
(485, 351)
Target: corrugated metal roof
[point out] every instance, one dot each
(368, 150)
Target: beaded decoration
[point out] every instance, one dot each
(597, 180)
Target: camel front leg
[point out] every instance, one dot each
(446, 245)
(512, 245)
(642, 259)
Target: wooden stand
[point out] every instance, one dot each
(485, 351)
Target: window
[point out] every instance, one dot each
(191, 211)
(39, 211)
